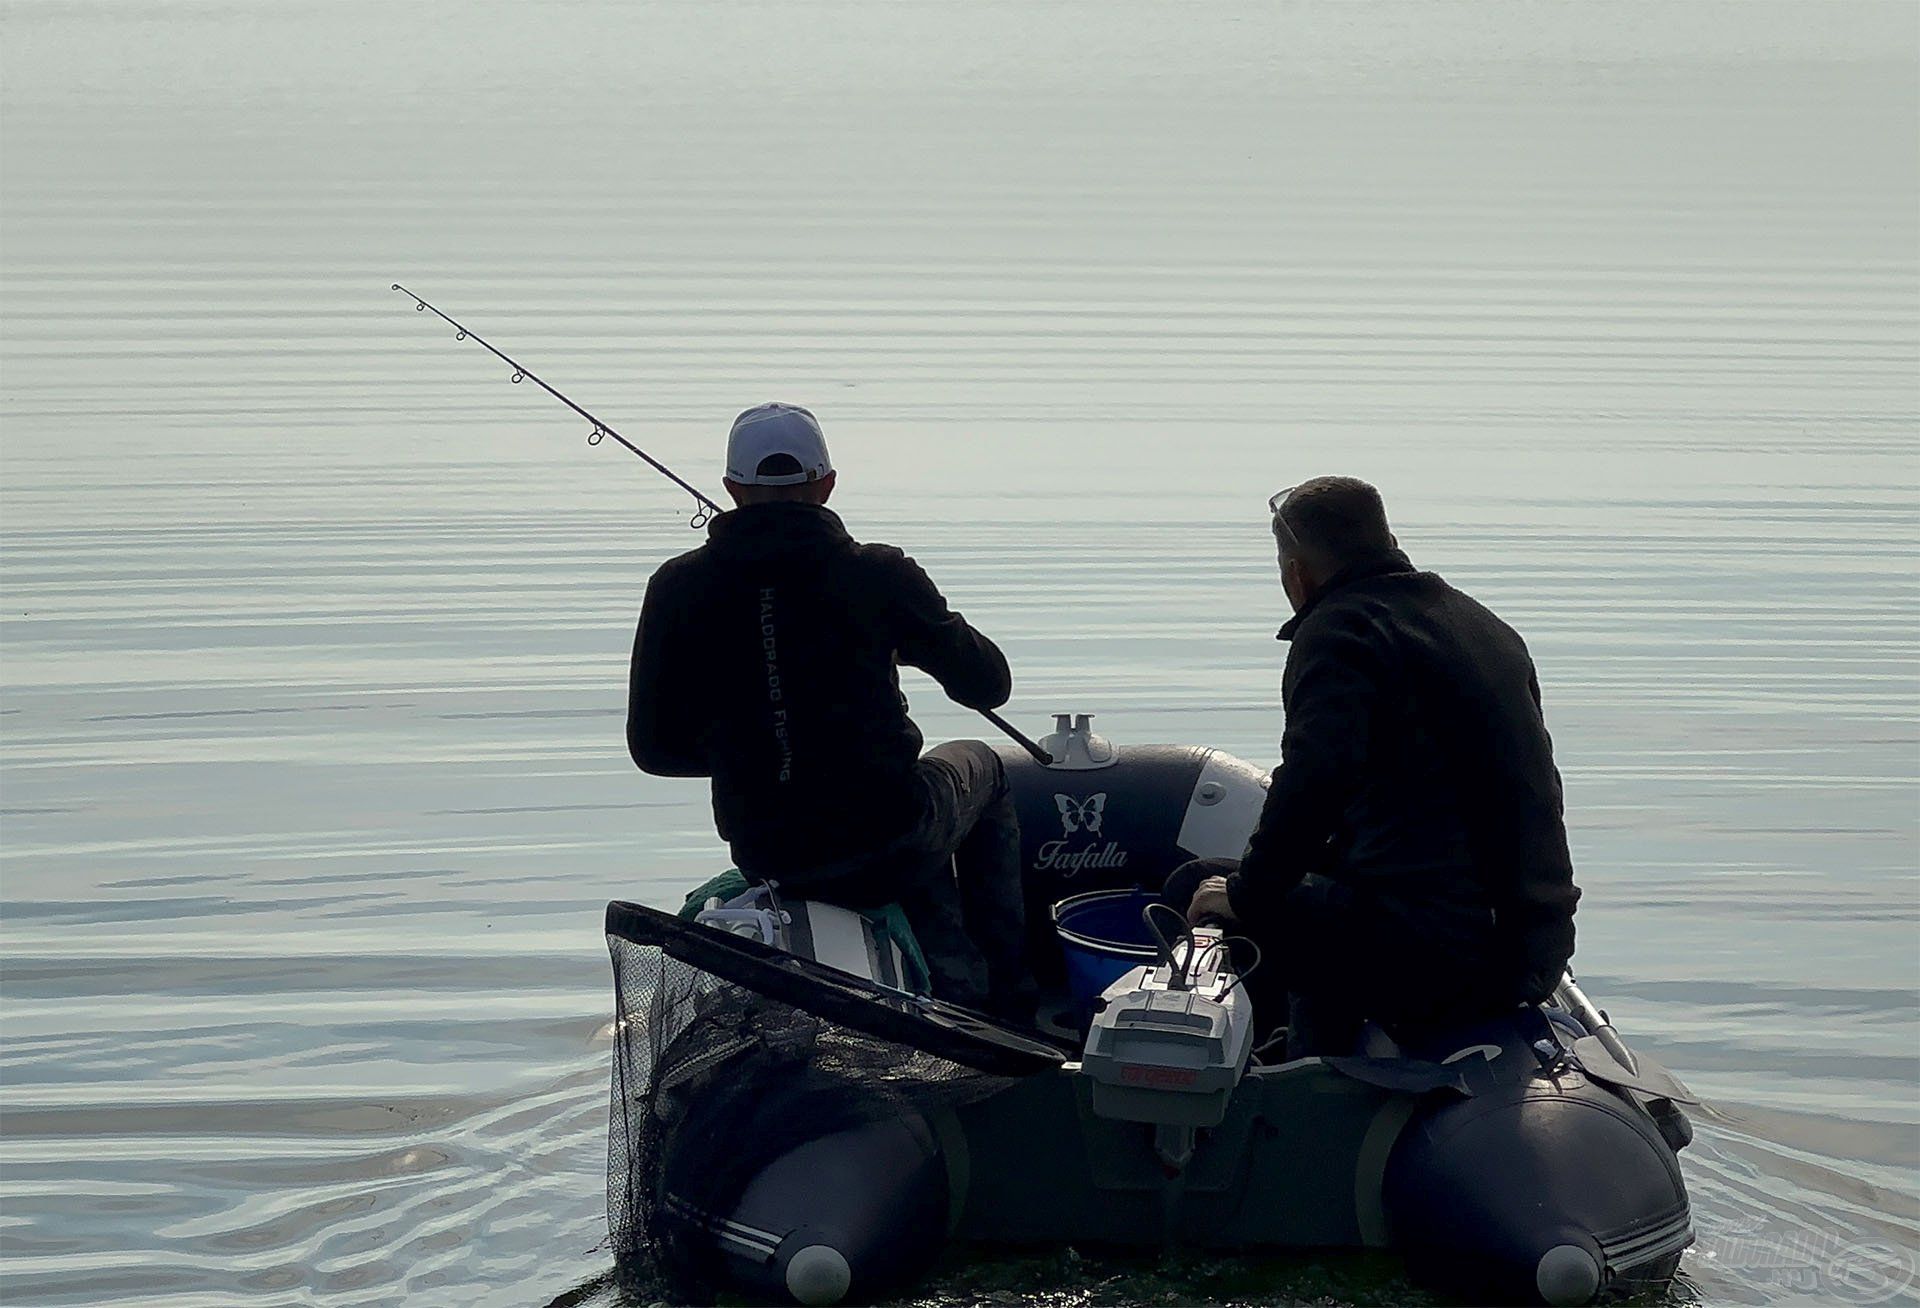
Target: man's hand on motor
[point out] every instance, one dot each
(1210, 901)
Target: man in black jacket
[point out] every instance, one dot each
(767, 660)
(1410, 864)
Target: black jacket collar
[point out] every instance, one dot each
(1377, 565)
(778, 527)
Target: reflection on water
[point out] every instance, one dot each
(312, 784)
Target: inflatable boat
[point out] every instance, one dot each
(795, 1120)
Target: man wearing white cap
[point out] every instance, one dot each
(767, 659)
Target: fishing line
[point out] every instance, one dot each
(704, 508)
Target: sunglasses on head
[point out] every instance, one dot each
(1275, 503)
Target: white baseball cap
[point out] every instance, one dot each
(766, 430)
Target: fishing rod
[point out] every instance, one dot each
(704, 508)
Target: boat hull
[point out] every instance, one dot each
(1553, 1188)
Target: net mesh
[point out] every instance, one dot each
(712, 1079)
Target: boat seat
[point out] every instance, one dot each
(850, 939)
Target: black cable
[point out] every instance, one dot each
(1239, 977)
(1178, 966)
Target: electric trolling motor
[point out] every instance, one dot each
(1170, 1041)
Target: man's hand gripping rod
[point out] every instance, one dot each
(704, 508)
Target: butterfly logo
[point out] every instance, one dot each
(1081, 814)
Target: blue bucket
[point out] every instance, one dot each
(1103, 937)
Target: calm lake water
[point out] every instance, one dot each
(315, 629)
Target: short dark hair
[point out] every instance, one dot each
(1334, 520)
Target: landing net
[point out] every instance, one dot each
(728, 1053)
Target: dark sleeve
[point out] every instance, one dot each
(660, 689)
(1535, 910)
(932, 637)
(1330, 692)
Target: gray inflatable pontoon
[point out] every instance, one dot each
(791, 1123)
